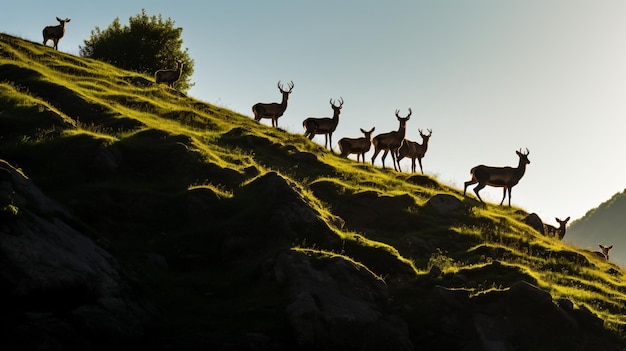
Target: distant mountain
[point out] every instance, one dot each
(605, 224)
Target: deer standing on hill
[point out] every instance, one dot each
(604, 251)
(273, 110)
(391, 141)
(324, 125)
(55, 33)
(414, 150)
(503, 177)
(358, 146)
(556, 232)
(169, 76)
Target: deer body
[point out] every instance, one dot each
(503, 177)
(55, 33)
(273, 110)
(556, 232)
(604, 251)
(414, 150)
(169, 76)
(358, 146)
(323, 125)
(391, 141)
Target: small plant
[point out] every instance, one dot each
(441, 260)
(8, 208)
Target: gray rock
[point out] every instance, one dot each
(535, 222)
(446, 204)
(337, 304)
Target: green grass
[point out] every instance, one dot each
(131, 159)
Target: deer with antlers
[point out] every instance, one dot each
(358, 146)
(273, 110)
(324, 125)
(391, 141)
(503, 177)
(556, 232)
(55, 33)
(414, 150)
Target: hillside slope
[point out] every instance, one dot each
(246, 237)
(605, 225)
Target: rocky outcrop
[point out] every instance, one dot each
(522, 317)
(335, 304)
(59, 289)
(535, 222)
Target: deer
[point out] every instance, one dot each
(556, 232)
(604, 251)
(273, 110)
(503, 177)
(391, 141)
(414, 150)
(358, 146)
(55, 33)
(324, 125)
(169, 76)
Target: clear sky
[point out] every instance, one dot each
(487, 76)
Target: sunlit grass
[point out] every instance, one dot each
(234, 142)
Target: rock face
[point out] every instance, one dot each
(59, 289)
(338, 305)
(522, 317)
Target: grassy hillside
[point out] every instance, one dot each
(194, 200)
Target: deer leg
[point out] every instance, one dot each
(394, 158)
(330, 141)
(504, 195)
(468, 183)
(477, 189)
(509, 197)
(376, 151)
(420, 161)
(384, 157)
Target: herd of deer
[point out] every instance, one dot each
(393, 142)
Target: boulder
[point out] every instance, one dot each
(336, 304)
(446, 204)
(535, 222)
(60, 290)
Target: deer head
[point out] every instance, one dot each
(336, 108)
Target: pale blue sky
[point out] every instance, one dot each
(488, 77)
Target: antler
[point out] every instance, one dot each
(340, 102)
(398, 113)
(290, 85)
(525, 154)
(430, 132)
